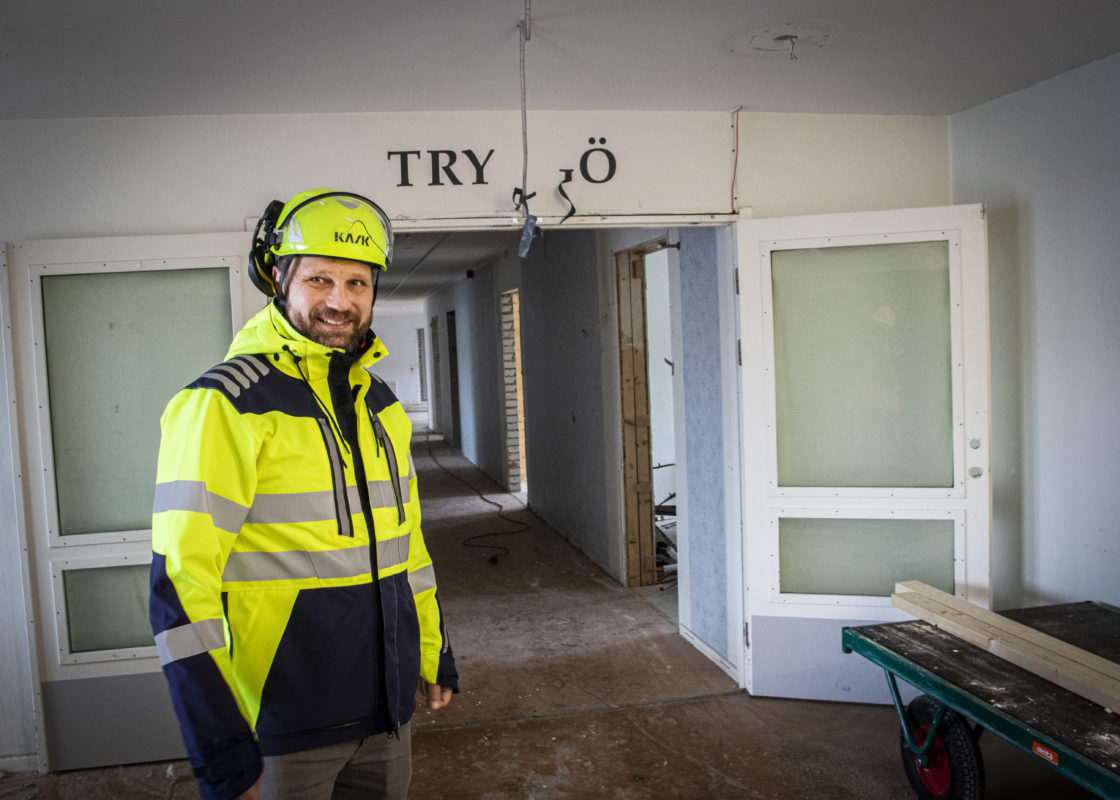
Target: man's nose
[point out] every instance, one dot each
(336, 296)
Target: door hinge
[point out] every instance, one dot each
(746, 634)
(739, 352)
(736, 280)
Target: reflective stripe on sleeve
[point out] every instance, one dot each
(236, 374)
(245, 371)
(232, 389)
(185, 641)
(422, 579)
(256, 362)
(194, 496)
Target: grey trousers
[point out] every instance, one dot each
(375, 768)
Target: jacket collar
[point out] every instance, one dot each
(270, 333)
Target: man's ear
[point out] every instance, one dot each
(280, 277)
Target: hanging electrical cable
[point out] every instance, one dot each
(472, 541)
(521, 196)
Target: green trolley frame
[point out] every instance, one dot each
(1075, 736)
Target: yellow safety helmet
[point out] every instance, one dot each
(319, 222)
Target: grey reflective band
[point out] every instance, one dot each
(175, 644)
(231, 387)
(393, 552)
(400, 497)
(296, 565)
(381, 494)
(422, 579)
(277, 509)
(295, 507)
(194, 496)
(345, 525)
(250, 363)
(245, 371)
(236, 374)
(321, 564)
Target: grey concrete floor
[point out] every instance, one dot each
(575, 687)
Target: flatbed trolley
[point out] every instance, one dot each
(969, 690)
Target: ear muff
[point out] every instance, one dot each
(261, 260)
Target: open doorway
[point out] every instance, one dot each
(646, 371)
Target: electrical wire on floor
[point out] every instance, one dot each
(472, 541)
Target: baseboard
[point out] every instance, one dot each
(721, 662)
(24, 763)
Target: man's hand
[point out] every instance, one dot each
(434, 695)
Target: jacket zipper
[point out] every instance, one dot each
(390, 454)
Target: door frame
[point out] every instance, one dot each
(637, 466)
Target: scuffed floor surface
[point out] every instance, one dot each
(574, 687)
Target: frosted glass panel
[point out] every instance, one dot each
(107, 608)
(118, 346)
(864, 556)
(862, 366)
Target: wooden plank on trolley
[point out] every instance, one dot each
(1073, 668)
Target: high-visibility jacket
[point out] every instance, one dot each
(274, 468)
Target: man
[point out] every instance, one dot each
(292, 596)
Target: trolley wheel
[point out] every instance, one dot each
(955, 769)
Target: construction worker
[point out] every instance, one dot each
(293, 599)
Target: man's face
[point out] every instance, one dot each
(330, 300)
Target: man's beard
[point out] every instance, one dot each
(350, 341)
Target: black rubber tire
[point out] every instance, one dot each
(956, 768)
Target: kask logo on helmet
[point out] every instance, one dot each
(350, 238)
(358, 234)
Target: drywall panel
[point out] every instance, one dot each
(1045, 161)
(562, 341)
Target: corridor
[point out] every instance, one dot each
(574, 687)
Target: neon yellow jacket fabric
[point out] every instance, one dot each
(274, 468)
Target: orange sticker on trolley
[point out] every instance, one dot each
(1045, 752)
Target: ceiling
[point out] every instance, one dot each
(425, 262)
(110, 58)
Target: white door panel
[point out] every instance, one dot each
(105, 332)
(865, 398)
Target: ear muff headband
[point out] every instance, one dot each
(268, 234)
(261, 260)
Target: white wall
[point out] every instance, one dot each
(106, 177)
(1046, 162)
(817, 164)
(401, 367)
